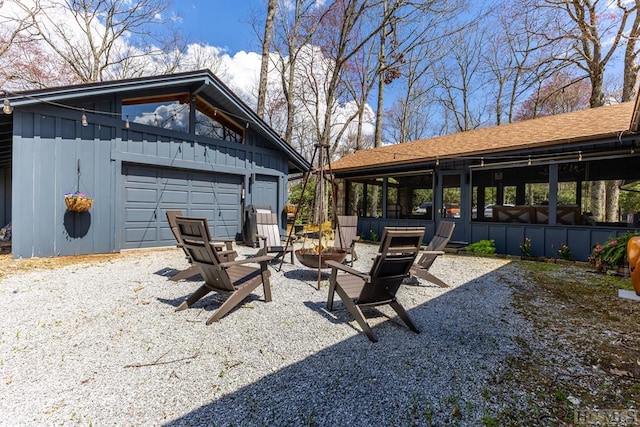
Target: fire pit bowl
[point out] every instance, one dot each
(309, 257)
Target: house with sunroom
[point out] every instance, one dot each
(533, 179)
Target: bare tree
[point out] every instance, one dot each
(456, 76)
(561, 93)
(515, 58)
(590, 30)
(89, 35)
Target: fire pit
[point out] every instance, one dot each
(309, 257)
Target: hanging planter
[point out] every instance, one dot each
(78, 202)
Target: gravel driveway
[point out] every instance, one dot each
(100, 344)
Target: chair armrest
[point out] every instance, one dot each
(260, 236)
(228, 244)
(225, 253)
(347, 269)
(254, 260)
(432, 252)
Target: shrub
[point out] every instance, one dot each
(482, 247)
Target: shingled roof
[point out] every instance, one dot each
(562, 129)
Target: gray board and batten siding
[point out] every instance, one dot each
(133, 174)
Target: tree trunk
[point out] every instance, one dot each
(598, 197)
(264, 66)
(612, 205)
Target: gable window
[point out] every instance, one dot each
(172, 112)
(213, 123)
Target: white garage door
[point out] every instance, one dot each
(149, 192)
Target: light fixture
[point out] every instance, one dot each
(481, 162)
(437, 161)
(126, 123)
(84, 120)
(7, 107)
(579, 156)
(529, 162)
(155, 120)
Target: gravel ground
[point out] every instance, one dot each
(100, 344)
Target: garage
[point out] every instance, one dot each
(148, 192)
(97, 139)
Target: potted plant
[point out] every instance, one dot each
(612, 254)
(78, 202)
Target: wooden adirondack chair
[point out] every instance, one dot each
(434, 249)
(346, 236)
(225, 248)
(233, 278)
(398, 250)
(269, 236)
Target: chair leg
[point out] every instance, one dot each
(266, 285)
(185, 274)
(426, 275)
(402, 313)
(332, 288)
(357, 314)
(194, 297)
(233, 300)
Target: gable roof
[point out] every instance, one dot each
(202, 81)
(562, 129)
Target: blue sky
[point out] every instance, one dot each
(221, 23)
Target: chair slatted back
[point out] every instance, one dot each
(171, 219)
(195, 236)
(267, 225)
(442, 236)
(348, 231)
(398, 250)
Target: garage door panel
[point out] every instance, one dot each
(227, 199)
(203, 213)
(174, 196)
(141, 195)
(198, 197)
(143, 234)
(228, 214)
(225, 232)
(149, 192)
(166, 234)
(139, 215)
(200, 181)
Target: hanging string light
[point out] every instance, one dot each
(126, 123)
(155, 120)
(84, 120)
(7, 107)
